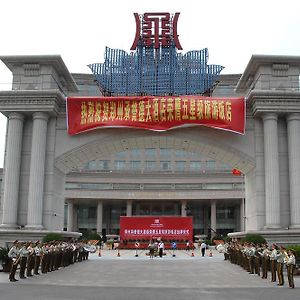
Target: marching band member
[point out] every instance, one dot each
(38, 255)
(290, 263)
(265, 261)
(273, 261)
(23, 255)
(30, 259)
(14, 254)
(45, 250)
(257, 259)
(250, 253)
(280, 261)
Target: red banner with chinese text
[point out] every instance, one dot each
(155, 113)
(167, 228)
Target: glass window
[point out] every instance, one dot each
(195, 165)
(225, 212)
(104, 164)
(150, 151)
(165, 152)
(224, 166)
(150, 165)
(120, 164)
(179, 165)
(181, 153)
(135, 165)
(92, 213)
(210, 165)
(92, 165)
(135, 152)
(121, 154)
(165, 165)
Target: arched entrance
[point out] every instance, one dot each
(155, 174)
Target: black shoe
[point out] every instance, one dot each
(23, 277)
(13, 279)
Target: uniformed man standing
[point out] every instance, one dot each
(273, 262)
(38, 255)
(45, 258)
(291, 263)
(14, 254)
(280, 262)
(23, 255)
(265, 261)
(30, 259)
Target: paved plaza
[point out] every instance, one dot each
(183, 277)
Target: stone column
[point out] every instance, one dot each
(183, 208)
(75, 217)
(293, 130)
(99, 217)
(12, 170)
(129, 208)
(242, 214)
(272, 187)
(37, 167)
(205, 219)
(70, 220)
(213, 217)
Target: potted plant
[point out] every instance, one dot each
(5, 260)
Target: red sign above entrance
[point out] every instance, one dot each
(155, 113)
(167, 228)
(156, 29)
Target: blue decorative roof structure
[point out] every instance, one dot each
(155, 72)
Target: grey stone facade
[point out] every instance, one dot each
(40, 154)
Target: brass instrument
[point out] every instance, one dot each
(286, 257)
(16, 262)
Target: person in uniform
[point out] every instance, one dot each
(38, 255)
(151, 247)
(250, 254)
(280, 262)
(257, 259)
(23, 256)
(291, 263)
(30, 259)
(273, 262)
(161, 247)
(265, 261)
(45, 258)
(14, 254)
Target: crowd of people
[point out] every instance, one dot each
(262, 259)
(35, 257)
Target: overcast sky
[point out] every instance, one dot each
(232, 30)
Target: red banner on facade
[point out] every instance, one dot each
(167, 228)
(155, 113)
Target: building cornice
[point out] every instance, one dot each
(27, 102)
(11, 61)
(259, 60)
(280, 102)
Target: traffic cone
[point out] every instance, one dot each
(118, 255)
(99, 253)
(210, 254)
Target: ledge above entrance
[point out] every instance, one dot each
(28, 69)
